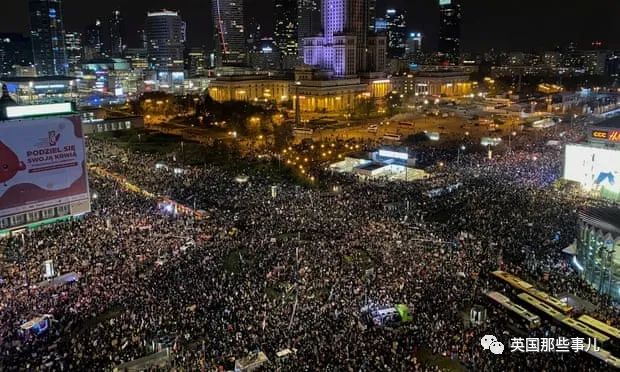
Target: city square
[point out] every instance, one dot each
(331, 192)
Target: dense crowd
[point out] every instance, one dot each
(291, 269)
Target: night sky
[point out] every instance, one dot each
(503, 25)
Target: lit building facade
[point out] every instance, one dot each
(138, 57)
(308, 20)
(93, 42)
(15, 51)
(338, 95)
(196, 62)
(441, 83)
(165, 31)
(229, 33)
(450, 29)
(285, 31)
(30, 90)
(73, 45)
(48, 37)
(117, 34)
(109, 76)
(414, 44)
(267, 56)
(396, 29)
(343, 47)
(377, 52)
(598, 249)
(249, 88)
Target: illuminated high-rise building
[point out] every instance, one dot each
(15, 51)
(285, 30)
(308, 18)
(343, 46)
(93, 42)
(414, 44)
(229, 33)
(73, 45)
(48, 37)
(372, 15)
(450, 29)
(117, 34)
(165, 32)
(396, 29)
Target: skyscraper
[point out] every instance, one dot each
(73, 45)
(308, 19)
(196, 61)
(344, 46)
(117, 34)
(414, 44)
(229, 31)
(396, 27)
(48, 37)
(92, 42)
(372, 15)
(285, 30)
(15, 50)
(165, 32)
(450, 29)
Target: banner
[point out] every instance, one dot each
(42, 164)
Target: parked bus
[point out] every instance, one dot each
(303, 131)
(603, 327)
(517, 314)
(512, 280)
(605, 356)
(542, 307)
(526, 287)
(406, 124)
(392, 137)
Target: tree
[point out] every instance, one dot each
(283, 134)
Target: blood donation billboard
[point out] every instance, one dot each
(42, 164)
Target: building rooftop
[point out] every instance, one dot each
(371, 166)
(605, 218)
(609, 123)
(26, 79)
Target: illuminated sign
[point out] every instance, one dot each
(14, 112)
(600, 134)
(445, 2)
(612, 136)
(393, 154)
(44, 162)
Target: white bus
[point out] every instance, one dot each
(303, 131)
(392, 137)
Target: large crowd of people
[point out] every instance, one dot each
(290, 267)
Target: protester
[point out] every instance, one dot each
(265, 272)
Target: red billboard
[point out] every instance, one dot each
(42, 164)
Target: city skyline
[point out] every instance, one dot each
(506, 26)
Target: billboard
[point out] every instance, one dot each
(42, 164)
(393, 154)
(595, 168)
(606, 135)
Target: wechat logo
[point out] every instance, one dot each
(489, 342)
